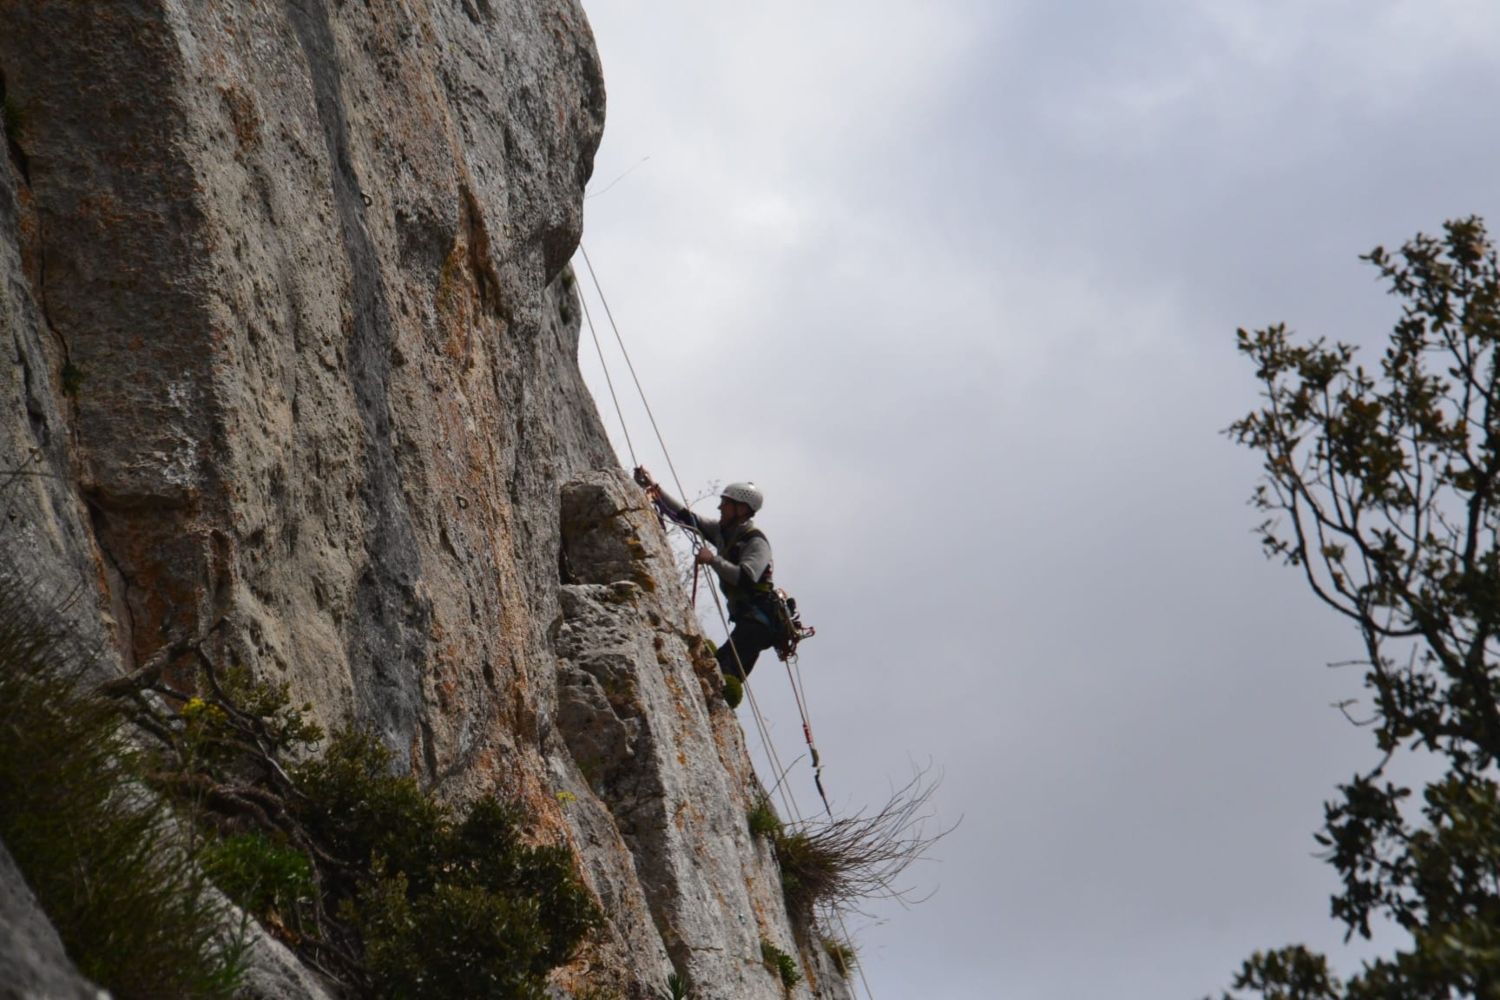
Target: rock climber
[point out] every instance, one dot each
(741, 556)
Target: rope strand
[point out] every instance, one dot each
(607, 380)
(794, 675)
(626, 354)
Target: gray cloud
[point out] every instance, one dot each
(957, 283)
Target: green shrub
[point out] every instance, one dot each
(237, 729)
(455, 941)
(676, 988)
(271, 880)
(444, 908)
(779, 962)
(358, 810)
(763, 819)
(410, 899)
(106, 861)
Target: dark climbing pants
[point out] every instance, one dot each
(749, 638)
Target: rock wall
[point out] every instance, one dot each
(32, 961)
(295, 343)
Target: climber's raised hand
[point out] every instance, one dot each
(643, 477)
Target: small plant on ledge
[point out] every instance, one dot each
(763, 819)
(779, 962)
(842, 954)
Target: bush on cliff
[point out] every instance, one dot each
(360, 868)
(444, 906)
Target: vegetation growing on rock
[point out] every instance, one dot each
(839, 862)
(359, 868)
(763, 820)
(108, 865)
(842, 954)
(779, 962)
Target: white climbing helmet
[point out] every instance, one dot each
(745, 493)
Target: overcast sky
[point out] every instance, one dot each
(957, 284)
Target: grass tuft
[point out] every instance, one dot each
(676, 988)
(844, 861)
(842, 954)
(105, 859)
(763, 820)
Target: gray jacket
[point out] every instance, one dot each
(740, 562)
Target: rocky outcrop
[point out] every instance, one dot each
(642, 717)
(32, 960)
(294, 342)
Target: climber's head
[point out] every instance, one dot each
(740, 501)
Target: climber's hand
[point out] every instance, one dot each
(704, 555)
(643, 478)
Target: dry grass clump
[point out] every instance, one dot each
(839, 863)
(842, 954)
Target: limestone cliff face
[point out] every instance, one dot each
(294, 342)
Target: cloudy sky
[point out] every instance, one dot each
(957, 284)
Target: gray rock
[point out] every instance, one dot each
(33, 965)
(298, 258)
(272, 972)
(46, 538)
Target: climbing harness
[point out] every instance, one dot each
(788, 621)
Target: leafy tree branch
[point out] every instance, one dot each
(1381, 486)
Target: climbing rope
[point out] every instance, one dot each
(794, 670)
(794, 675)
(767, 743)
(607, 380)
(628, 364)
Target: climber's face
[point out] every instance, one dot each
(729, 509)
